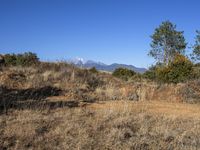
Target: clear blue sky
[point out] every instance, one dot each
(102, 30)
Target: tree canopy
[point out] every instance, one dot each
(167, 42)
(196, 47)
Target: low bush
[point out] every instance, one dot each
(196, 71)
(93, 82)
(25, 59)
(150, 74)
(10, 59)
(123, 73)
(136, 77)
(93, 70)
(179, 70)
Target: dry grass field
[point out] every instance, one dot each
(50, 107)
(99, 74)
(104, 125)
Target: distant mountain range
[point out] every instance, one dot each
(79, 62)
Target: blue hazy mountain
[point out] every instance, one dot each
(79, 62)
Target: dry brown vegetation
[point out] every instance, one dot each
(107, 125)
(58, 106)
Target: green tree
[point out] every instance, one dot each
(196, 47)
(167, 42)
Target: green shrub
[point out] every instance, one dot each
(150, 74)
(93, 70)
(93, 82)
(179, 70)
(24, 59)
(123, 73)
(162, 74)
(196, 72)
(10, 59)
(27, 59)
(136, 77)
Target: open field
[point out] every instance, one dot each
(99, 75)
(57, 106)
(104, 125)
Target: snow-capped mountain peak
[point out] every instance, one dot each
(80, 62)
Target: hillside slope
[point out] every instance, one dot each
(59, 106)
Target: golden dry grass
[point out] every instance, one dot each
(119, 124)
(105, 125)
(153, 107)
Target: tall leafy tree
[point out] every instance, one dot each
(196, 47)
(167, 42)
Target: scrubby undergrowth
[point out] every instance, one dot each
(104, 126)
(33, 87)
(59, 106)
